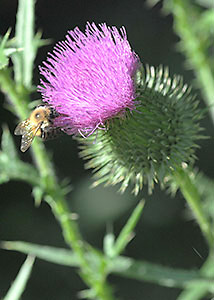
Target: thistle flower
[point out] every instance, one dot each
(89, 78)
(94, 79)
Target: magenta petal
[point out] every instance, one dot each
(88, 78)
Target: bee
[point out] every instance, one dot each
(40, 123)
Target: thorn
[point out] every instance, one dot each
(196, 251)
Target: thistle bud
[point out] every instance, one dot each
(146, 145)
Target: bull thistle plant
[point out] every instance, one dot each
(136, 125)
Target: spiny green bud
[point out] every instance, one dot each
(150, 142)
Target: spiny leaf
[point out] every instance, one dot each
(7, 144)
(122, 266)
(164, 276)
(55, 255)
(126, 233)
(11, 167)
(6, 50)
(3, 56)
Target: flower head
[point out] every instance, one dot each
(89, 78)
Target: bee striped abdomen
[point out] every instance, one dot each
(49, 133)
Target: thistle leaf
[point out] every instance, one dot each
(11, 167)
(122, 266)
(126, 233)
(6, 50)
(55, 255)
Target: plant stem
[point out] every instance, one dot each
(191, 194)
(54, 194)
(184, 19)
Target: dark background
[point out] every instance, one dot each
(165, 234)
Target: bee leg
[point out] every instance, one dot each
(44, 134)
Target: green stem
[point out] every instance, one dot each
(54, 195)
(183, 13)
(191, 194)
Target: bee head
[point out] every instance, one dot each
(40, 113)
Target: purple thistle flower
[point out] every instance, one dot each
(89, 78)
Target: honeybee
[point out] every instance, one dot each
(40, 123)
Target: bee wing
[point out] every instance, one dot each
(28, 136)
(21, 127)
(28, 132)
(27, 139)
